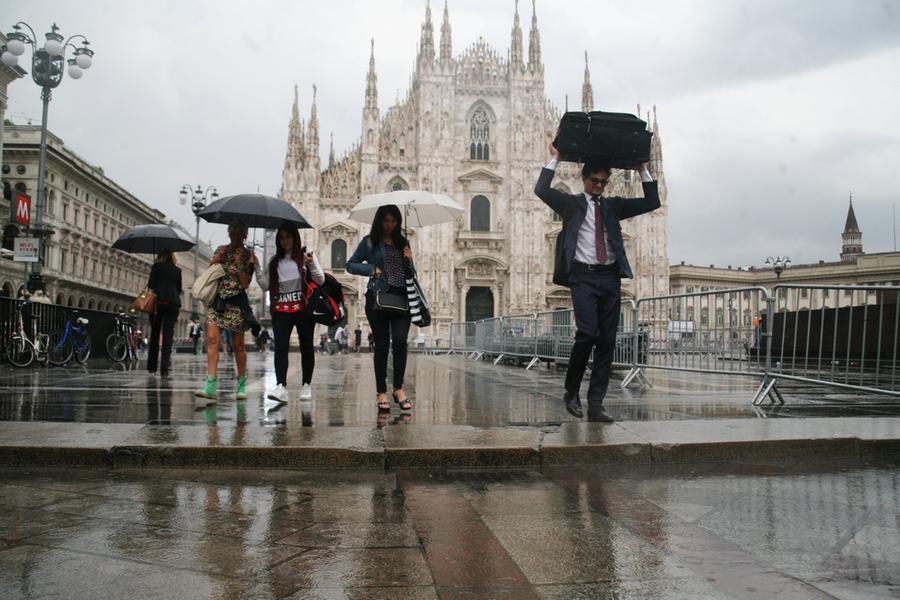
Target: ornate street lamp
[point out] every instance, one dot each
(47, 65)
(198, 203)
(778, 264)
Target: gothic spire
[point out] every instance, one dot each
(534, 41)
(587, 92)
(515, 51)
(331, 152)
(426, 42)
(851, 239)
(446, 38)
(851, 225)
(313, 131)
(294, 142)
(372, 81)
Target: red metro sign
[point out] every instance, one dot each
(23, 208)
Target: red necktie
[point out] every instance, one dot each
(600, 240)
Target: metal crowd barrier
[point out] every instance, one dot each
(842, 336)
(705, 332)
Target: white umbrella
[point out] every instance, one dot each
(419, 208)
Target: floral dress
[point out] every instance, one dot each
(234, 261)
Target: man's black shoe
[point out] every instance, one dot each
(573, 404)
(598, 415)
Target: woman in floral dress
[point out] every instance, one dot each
(229, 310)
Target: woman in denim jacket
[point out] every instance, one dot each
(383, 256)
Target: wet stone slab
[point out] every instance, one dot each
(461, 446)
(628, 531)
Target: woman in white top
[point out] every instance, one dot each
(289, 272)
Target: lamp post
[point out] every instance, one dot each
(778, 264)
(198, 203)
(47, 65)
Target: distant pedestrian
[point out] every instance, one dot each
(385, 257)
(357, 338)
(323, 343)
(194, 333)
(165, 282)
(371, 340)
(342, 337)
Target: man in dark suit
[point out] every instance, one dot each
(595, 261)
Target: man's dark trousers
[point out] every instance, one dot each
(596, 300)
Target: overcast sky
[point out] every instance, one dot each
(770, 112)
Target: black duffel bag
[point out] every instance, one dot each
(619, 140)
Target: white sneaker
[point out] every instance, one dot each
(279, 394)
(306, 392)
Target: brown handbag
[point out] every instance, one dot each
(145, 302)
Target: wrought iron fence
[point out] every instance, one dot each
(47, 318)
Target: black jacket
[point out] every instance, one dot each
(573, 209)
(165, 281)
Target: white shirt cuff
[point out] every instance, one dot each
(645, 177)
(552, 164)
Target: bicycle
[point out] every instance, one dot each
(73, 340)
(121, 344)
(23, 350)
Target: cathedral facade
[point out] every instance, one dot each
(475, 127)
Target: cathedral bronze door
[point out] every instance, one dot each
(479, 304)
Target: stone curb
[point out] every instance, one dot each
(313, 457)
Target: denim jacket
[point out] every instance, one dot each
(364, 260)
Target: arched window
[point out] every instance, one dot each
(479, 136)
(480, 214)
(397, 183)
(339, 254)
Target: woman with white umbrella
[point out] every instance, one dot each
(381, 256)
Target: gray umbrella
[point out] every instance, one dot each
(153, 239)
(256, 210)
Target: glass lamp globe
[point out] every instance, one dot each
(54, 44)
(15, 43)
(75, 71)
(84, 58)
(9, 59)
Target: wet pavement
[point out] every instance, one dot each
(446, 390)
(761, 530)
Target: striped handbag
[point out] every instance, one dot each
(419, 310)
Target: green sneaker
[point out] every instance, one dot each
(209, 390)
(242, 387)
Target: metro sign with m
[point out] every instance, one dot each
(23, 208)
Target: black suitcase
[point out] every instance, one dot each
(619, 140)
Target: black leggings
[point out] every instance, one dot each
(282, 327)
(388, 328)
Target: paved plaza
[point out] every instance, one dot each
(116, 484)
(690, 532)
(446, 390)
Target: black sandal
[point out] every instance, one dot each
(383, 405)
(404, 404)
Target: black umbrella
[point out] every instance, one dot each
(256, 210)
(153, 239)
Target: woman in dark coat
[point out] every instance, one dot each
(165, 281)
